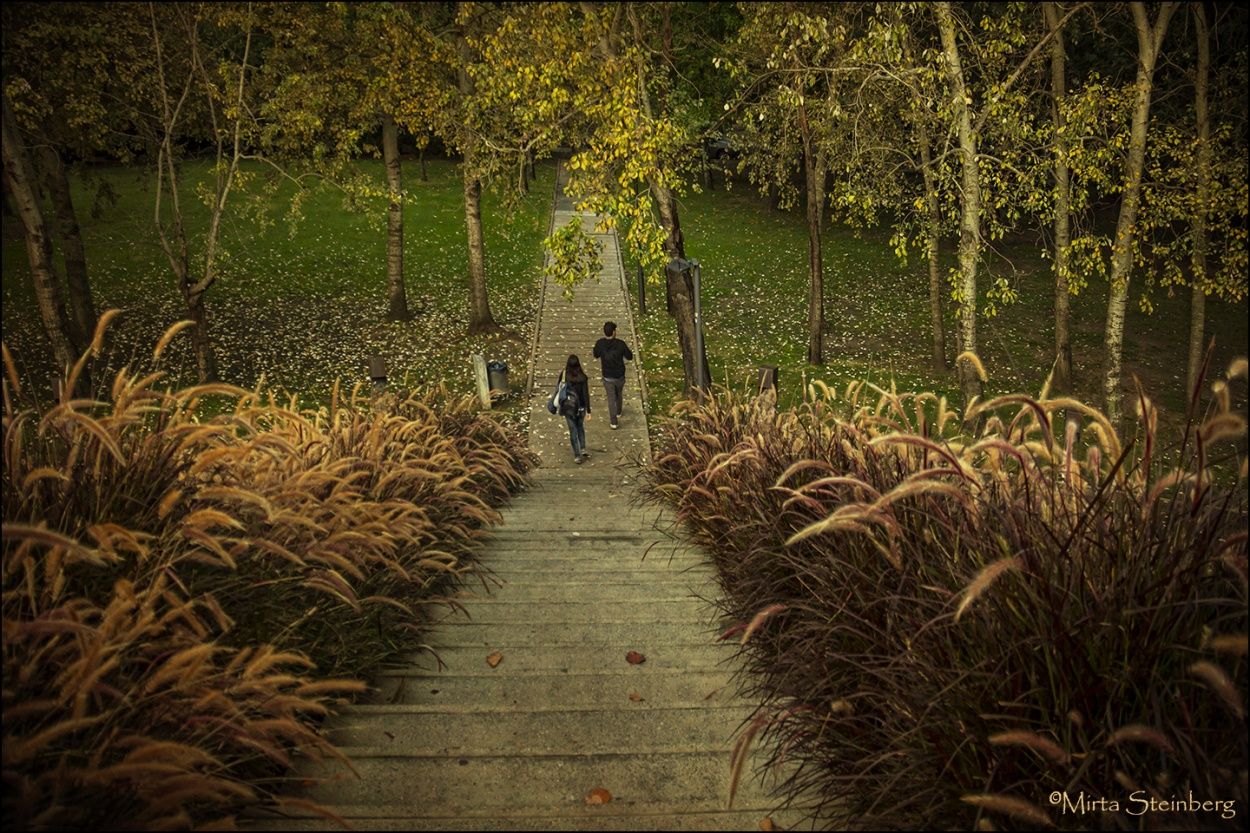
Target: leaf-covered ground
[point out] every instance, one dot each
(306, 308)
(755, 284)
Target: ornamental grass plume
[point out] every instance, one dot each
(963, 627)
(193, 578)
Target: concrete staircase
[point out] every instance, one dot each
(582, 577)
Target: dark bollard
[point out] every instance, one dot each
(767, 379)
(377, 373)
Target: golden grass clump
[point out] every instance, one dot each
(192, 578)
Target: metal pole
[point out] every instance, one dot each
(642, 292)
(698, 332)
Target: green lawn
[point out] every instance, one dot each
(307, 307)
(754, 275)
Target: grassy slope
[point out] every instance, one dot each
(754, 274)
(307, 307)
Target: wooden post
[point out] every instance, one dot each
(483, 384)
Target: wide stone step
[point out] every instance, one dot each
(547, 538)
(413, 731)
(509, 578)
(624, 635)
(588, 551)
(468, 786)
(590, 568)
(568, 659)
(541, 610)
(671, 687)
(592, 818)
(591, 592)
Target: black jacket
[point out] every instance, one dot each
(613, 352)
(582, 389)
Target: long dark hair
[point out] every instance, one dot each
(573, 370)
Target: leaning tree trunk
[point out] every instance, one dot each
(81, 304)
(1198, 297)
(970, 216)
(680, 292)
(1148, 41)
(21, 181)
(1061, 382)
(397, 297)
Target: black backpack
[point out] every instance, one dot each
(569, 403)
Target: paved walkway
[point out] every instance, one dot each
(586, 578)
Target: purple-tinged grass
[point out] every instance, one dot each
(973, 624)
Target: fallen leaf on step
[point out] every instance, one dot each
(494, 659)
(599, 796)
(635, 658)
(635, 698)
(767, 824)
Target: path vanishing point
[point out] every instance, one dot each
(586, 578)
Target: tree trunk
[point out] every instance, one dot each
(815, 206)
(1198, 297)
(480, 319)
(205, 357)
(397, 296)
(81, 305)
(680, 292)
(1148, 41)
(970, 215)
(1061, 381)
(421, 155)
(21, 182)
(933, 231)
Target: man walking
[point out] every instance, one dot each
(612, 354)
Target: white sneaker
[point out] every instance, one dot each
(614, 426)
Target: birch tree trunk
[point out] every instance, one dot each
(397, 296)
(21, 183)
(1149, 39)
(480, 318)
(970, 204)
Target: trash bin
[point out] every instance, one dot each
(497, 373)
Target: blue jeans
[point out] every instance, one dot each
(577, 434)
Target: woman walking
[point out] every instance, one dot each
(576, 407)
